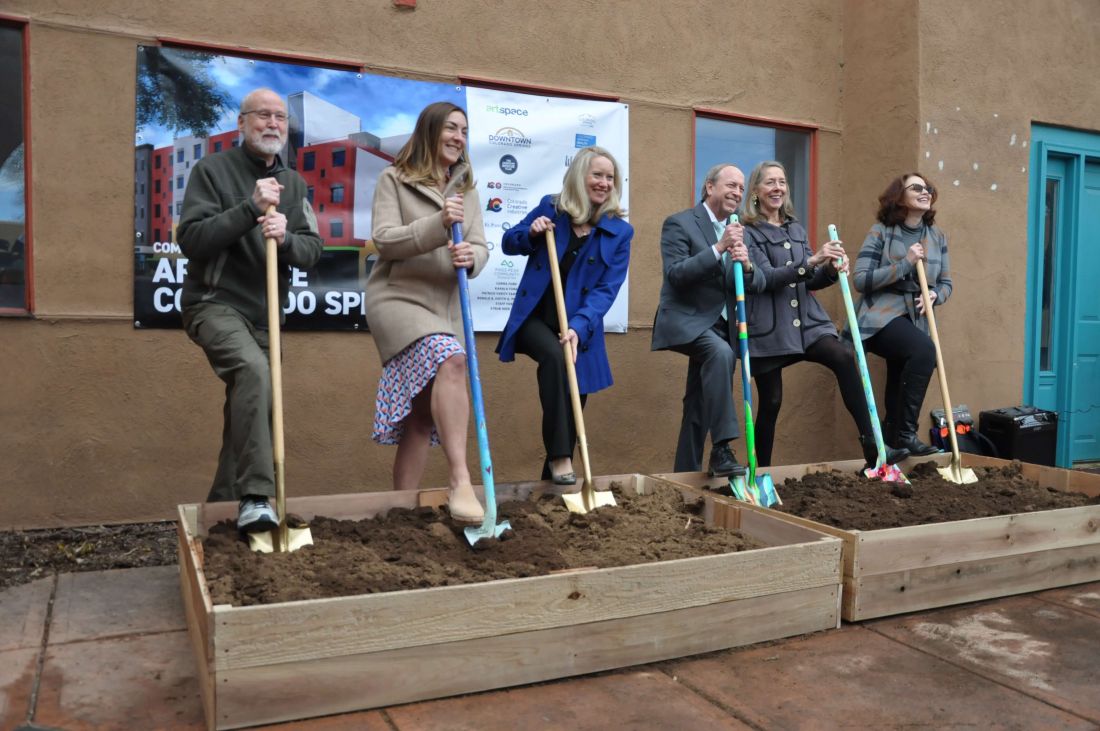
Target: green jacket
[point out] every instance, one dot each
(219, 234)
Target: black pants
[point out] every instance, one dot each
(830, 352)
(559, 433)
(906, 349)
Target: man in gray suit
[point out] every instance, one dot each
(696, 313)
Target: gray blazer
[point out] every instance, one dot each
(696, 283)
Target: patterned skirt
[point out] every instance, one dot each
(403, 377)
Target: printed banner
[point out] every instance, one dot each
(344, 129)
(521, 146)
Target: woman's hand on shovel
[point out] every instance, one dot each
(571, 338)
(920, 301)
(540, 226)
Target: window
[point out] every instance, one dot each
(236, 142)
(337, 193)
(156, 214)
(179, 208)
(338, 155)
(218, 146)
(322, 173)
(336, 228)
(156, 184)
(156, 233)
(309, 160)
(179, 182)
(745, 143)
(14, 238)
(156, 161)
(179, 155)
(309, 193)
(198, 150)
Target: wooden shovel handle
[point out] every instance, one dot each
(570, 369)
(275, 356)
(948, 413)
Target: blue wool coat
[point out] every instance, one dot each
(593, 283)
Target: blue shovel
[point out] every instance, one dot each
(752, 488)
(489, 527)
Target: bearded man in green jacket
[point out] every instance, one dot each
(234, 200)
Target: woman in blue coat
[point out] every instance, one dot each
(593, 245)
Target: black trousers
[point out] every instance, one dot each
(906, 349)
(559, 432)
(830, 352)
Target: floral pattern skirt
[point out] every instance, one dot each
(404, 376)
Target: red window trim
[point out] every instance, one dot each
(28, 164)
(498, 85)
(812, 129)
(252, 53)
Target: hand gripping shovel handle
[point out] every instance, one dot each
(881, 469)
(488, 526)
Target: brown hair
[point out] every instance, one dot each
(891, 210)
(417, 158)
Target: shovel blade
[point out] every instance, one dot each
(585, 500)
(766, 489)
(958, 474)
(739, 486)
(475, 533)
(264, 542)
(886, 473)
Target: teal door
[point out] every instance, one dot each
(1062, 357)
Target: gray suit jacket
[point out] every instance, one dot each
(696, 283)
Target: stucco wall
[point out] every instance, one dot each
(104, 422)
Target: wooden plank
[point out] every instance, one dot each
(764, 526)
(196, 605)
(298, 631)
(295, 690)
(956, 583)
(913, 547)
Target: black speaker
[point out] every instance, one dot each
(1022, 432)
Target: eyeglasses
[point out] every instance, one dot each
(266, 115)
(918, 188)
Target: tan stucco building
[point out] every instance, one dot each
(105, 422)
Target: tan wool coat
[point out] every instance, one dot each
(412, 290)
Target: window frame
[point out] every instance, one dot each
(22, 24)
(812, 129)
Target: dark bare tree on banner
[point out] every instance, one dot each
(175, 90)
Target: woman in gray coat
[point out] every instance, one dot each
(786, 323)
(891, 310)
(413, 304)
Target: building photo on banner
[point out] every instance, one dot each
(344, 128)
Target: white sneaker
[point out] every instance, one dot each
(255, 514)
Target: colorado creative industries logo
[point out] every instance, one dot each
(508, 164)
(495, 205)
(506, 111)
(509, 137)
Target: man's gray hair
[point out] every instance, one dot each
(712, 177)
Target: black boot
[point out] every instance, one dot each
(870, 452)
(911, 398)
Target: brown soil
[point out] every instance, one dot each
(415, 549)
(34, 554)
(853, 502)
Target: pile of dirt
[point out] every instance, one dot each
(850, 501)
(421, 548)
(34, 554)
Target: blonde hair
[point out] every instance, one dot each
(750, 207)
(574, 198)
(417, 160)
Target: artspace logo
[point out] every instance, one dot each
(509, 137)
(493, 184)
(495, 205)
(506, 111)
(586, 120)
(508, 164)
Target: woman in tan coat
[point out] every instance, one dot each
(413, 306)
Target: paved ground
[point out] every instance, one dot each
(109, 650)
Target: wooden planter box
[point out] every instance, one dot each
(279, 662)
(896, 570)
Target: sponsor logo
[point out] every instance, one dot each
(516, 205)
(497, 185)
(508, 164)
(506, 225)
(586, 120)
(580, 140)
(492, 185)
(506, 111)
(568, 160)
(495, 205)
(509, 137)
